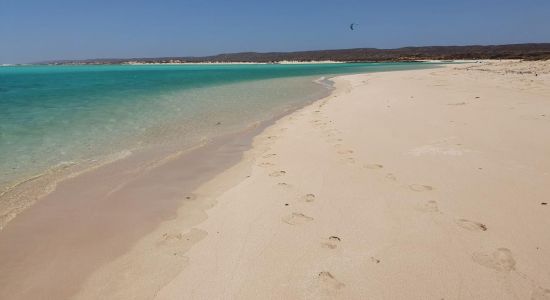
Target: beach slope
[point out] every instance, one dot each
(425, 184)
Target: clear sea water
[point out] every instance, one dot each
(50, 115)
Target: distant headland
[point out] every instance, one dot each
(532, 51)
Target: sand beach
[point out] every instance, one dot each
(417, 184)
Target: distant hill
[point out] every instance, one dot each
(540, 51)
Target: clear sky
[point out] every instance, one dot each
(35, 30)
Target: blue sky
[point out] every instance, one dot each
(35, 30)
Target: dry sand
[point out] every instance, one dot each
(426, 184)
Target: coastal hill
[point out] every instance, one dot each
(539, 51)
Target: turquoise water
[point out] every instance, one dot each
(51, 115)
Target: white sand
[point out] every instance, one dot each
(421, 184)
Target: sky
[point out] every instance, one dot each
(38, 30)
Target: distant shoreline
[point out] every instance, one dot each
(529, 51)
(134, 63)
(236, 63)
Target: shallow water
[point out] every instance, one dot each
(54, 115)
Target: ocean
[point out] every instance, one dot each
(58, 116)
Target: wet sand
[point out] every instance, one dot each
(89, 220)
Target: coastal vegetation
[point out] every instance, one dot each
(540, 51)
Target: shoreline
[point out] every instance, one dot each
(25, 190)
(24, 193)
(180, 234)
(316, 208)
(20, 194)
(222, 153)
(131, 63)
(331, 206)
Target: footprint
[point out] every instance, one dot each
(174, 236)
(331, 243)
(420, 188)
(349, 160)
(345, 152)
(283, 184)
(540, 294)
(328, 281)
(470, 225)
(373, 166)
(500, 260)
(309, 198)
(297, 219)
(277, 173)
(391, 177)
(431, 207)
